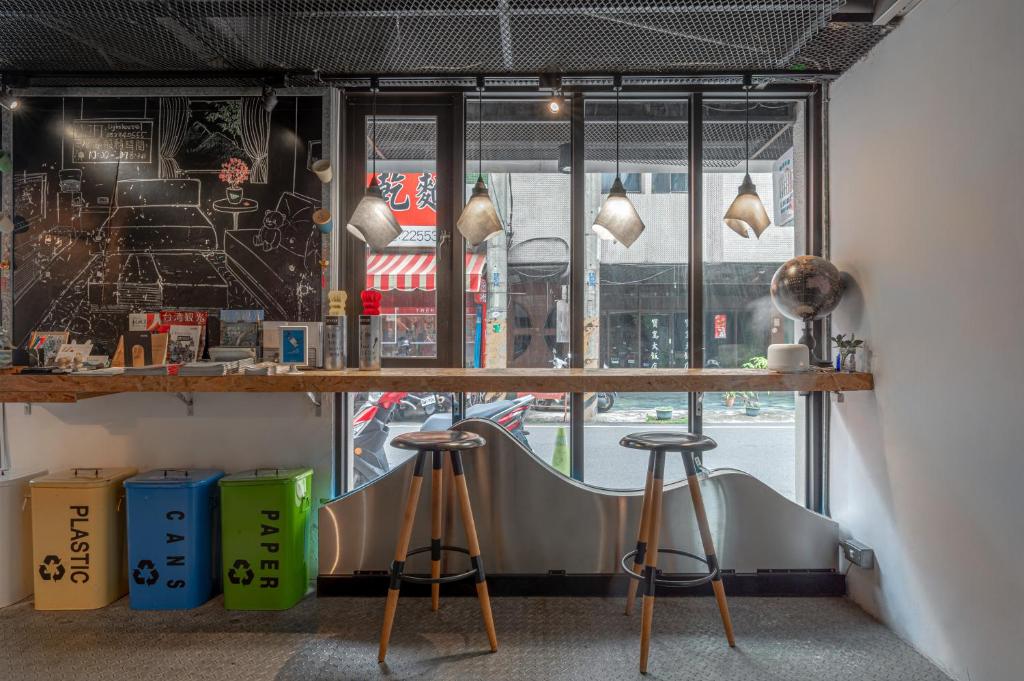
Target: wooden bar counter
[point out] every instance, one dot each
(39, 388)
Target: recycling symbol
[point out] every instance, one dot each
(51, 569)
(241, 573)
(145, 573)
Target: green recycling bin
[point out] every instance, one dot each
(265, 521)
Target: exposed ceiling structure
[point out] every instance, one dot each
(653, 133)
(145, 42)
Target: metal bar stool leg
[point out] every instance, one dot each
(641, 540)
(651, 560)
(693, 482)
(436, 507)
(473, 543)
(401, 549)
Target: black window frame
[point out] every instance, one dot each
(815, 239)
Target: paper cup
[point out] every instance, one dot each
(322, 168)
(322, 219)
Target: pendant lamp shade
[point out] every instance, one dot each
(372, 221)
(747, 211)
(479, 220)
(618, 219)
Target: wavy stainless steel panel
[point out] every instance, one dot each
(532, 520)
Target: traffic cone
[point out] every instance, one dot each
(560, 461)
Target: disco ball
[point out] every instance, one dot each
(806, 288)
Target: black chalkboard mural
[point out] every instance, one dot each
(139, 204)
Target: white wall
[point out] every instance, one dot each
(228, 431)
(927, 188)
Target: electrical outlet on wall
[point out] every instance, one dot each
(857, 553)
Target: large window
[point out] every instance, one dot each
(643, 307)
(757, 432)
(637, 310)
(517, 283)
(406, 272)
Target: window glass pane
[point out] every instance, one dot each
(661, 183)
(756, 432)
(517, 283)
(636, 313)
(378, 417)
(405, 272)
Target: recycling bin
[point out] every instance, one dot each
(78, 538)
(173, 538)
(15, 537)
(265, 520)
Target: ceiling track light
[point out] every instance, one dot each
(747, 211)
(372, 221)
(8, 100)
(618, 218)
(479, 220)
(553, 83)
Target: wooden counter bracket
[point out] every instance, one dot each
(189, 400)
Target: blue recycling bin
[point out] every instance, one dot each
(173, 538)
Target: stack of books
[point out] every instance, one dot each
(153, 370)
(215, 368)
(262, 369)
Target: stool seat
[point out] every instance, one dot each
(438, 440)
(668, 441)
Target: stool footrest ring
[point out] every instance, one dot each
(673, 582)
(436, 580)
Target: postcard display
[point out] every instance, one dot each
(142, 204)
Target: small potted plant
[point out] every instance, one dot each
(751, 404)
(847, 351)
(756, 363)
(729, 398)
(233, 173)
(750, 400)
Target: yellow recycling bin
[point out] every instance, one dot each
(78, 538)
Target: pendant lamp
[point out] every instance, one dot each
(372, 221)
(479, 220)
(747, 211)
(618, 220)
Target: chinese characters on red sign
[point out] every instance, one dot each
(721, 327)
(411, 196)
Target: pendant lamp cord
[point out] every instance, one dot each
(617, 132)
(480, 133)
(373, 128)
(746, 125)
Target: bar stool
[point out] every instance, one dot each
(647, 549)
(436, 443)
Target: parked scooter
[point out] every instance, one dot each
(426, 404)
(510, 414)
(370, 432)
(371, 427)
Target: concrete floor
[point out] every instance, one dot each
(586, 639)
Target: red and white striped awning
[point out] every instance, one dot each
(474, 271)
(416, 271)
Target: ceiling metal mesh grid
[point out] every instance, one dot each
(440, 37)
(651, 132)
